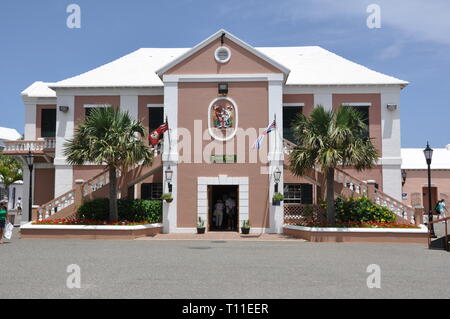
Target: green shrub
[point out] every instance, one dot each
(96, 209)
(277, 197)
(362, 209)
(133, 210)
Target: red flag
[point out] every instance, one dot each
(155, 137)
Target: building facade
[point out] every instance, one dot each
(218, 97)
(415, 188)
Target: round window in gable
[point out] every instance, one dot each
(222, 55)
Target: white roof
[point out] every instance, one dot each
(308, 65)
(413, 158)
(39, 89)
(9, 134)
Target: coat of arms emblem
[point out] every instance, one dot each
(222, 118)
(223, 115)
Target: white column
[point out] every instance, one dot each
(30, 119)
(26, 192)
(391, 143)
(276, 154)
(170, 154)
(129, 103)
(64, 130)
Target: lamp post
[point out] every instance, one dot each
(169, 175)
(30, 160)
(277, 178)
(404, 174)
(428, 152)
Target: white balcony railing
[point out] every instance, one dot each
(22, 146)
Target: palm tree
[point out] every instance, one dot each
(10, 171)
(328, 139)
(109, 137)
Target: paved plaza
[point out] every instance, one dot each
(37, 268)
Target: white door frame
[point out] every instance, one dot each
(202, 195)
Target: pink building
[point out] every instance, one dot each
(415, 189)
(212, 131)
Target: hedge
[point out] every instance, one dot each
(132, 210)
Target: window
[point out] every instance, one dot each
(88, 111)
(298, 193)
(48, 123)
(222, 54)
(151, 190)
(289, 114)
(364, 111)
(155, 117)
(89, 107)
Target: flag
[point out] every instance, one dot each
(260, 139)
(155, 137)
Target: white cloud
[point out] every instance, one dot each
(418, 19)
(391, 51)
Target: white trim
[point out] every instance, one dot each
(231, 37)
(357, 104)
(202, 198)
(88, 106)
(185, 230)
(293, 104)
(423, 229)
(245, 77)
(210, 129)
(216, 54)
(155, 105)
(110, 91)
(30, 225)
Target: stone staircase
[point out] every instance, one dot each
(66, 205)
(350, 186)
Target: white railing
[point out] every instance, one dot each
(55, 205)
(34, 146)
(24, 146)
(352, 183)
(50, 143)
(394, 205)
(98, 182)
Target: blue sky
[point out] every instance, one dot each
(412, 44)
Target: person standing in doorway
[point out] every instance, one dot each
(3, 219)
(218, 213)
(230, 204)
(19, 206)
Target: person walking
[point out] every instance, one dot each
(3, 219)
(441, 208)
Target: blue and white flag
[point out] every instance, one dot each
(260, 139)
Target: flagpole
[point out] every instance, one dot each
(170, 141)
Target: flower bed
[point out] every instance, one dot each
(375, 233)
(355, 224)
(74, 221)
(88, 229)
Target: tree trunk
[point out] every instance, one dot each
(113, 211)
(331, 218)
